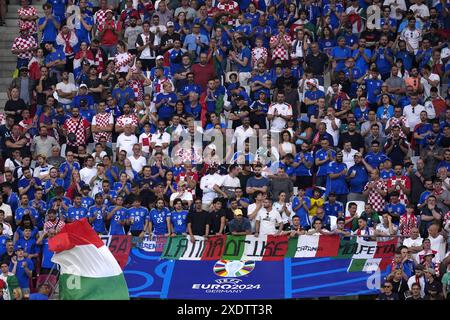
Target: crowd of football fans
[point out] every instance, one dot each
(337, 114)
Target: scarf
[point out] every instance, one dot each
(68, 50)
(98, 61)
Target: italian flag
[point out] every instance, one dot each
(89, 271)
(368, 256)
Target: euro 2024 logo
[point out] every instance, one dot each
(233, 268)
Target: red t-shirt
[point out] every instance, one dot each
(109, 38)
(202, 74)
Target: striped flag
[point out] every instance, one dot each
(89, 271)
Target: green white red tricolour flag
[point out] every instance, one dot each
(89, 271)
(266, 248)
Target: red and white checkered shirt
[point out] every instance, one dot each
(102, 120)
(402, 121)
(404, 181)
(24, 43)
(138, 88)
(31, 26)
(127, 119)
(230, 6)
(100, 17)
(259, 53)
(407, 222)
(375, 198)
(280, 51)
(71, 126)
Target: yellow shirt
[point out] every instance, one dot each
(315, 203)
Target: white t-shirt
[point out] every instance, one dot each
(144, 140)
(241, 134)
(250, 209)
(438, 244)
(207, 185)
(229, 182)
(126, 143)
(268, 221)
(330, 130)
(65, 88)
(409, 242)
(412, 118)
(422, 10)
(427, 86)
(278, 123)
(412, 280)
(7, 230)
(413, 37)
(382, 228)
(348, 157)
(7, 209)
(98, 159)
(395, 4)
(187, 196)
(87, 174)
(137, 164)
(286, 219)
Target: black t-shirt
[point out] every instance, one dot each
(169, 39)
(46, 85)
(17, 106)
(286, 81)
(214, 222)
(317, 63)
(94, 84)
(198, 221)
(356, 140)
(236, 110)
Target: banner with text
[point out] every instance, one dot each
(273, 248)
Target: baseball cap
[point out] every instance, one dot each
(108, 11)
(159, 57)
(158, 144)
(358, 154)
(238, 212)
(19, 248)
(83, 86)
(169, 24)
(430, 270)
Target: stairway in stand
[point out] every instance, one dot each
(7, 35)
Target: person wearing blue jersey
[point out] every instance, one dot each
(117, 217)
(336, 171)
(67, 167)
(47, 255)
(383, 57)
(362, 56)
(83, 23)
(22, 268)
(40, 206)
(322, 158)
(373, 87)
(24, 210)
(28, 243)
(108, 195)
(387, 172)
(395, 208)
(58, 9)
(138, 218)
(159, 219)
(178, 218)
(28, 184)
(77, 211)
(259, 109)
(49, 24)
(358, 176)
(339, 54)
(303, 163)
(53, 182)
(301, 205)
(332, 207)
(86, 199)
(375, 157)
(97, 215)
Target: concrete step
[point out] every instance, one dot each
(8, 59)
(5, 82)
(7, 72)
